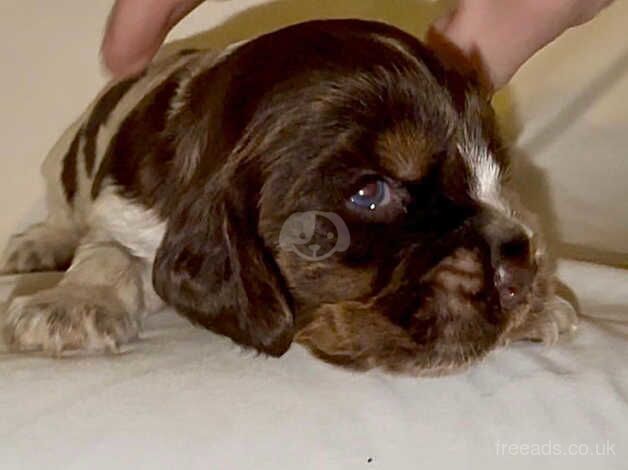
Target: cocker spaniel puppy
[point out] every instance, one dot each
(331, 183)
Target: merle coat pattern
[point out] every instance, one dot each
(174, 185)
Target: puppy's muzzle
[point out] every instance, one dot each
(513, 266)
(514, 272)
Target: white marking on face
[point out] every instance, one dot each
(486, 177)
(485, 173)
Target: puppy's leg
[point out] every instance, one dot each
(42, 247)
(98, 305)
(49, 245)
(557, 317)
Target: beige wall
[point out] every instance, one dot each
(568, 108)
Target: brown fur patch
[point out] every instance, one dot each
(406, 152)
(69, 173)
(99, 116)
(326, 281)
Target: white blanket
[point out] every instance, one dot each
(185, 398)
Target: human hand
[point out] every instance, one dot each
(504, 33)
(136, 29)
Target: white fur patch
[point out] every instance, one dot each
(485, 174)
(486, 177)
(138, 229)
(484, 171)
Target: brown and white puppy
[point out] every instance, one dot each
(331, 182)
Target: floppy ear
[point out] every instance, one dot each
(213, 267)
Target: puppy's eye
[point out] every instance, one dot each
(372, 195)
(376, 199)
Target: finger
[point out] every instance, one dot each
(136, 29)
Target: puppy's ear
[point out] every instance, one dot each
(357, 336)
(213, 267)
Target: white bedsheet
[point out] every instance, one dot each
(185, 398)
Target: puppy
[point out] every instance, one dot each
(331, 182)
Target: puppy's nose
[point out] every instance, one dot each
(513, 284)
(514, 270)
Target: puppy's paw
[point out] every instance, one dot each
(68, 319)
(558, 318)
(40, 248)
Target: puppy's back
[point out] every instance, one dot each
(74, 164)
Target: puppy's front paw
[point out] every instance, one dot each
(40, 248)
(557, 318)
(68, 318)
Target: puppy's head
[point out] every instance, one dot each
(351, 192)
